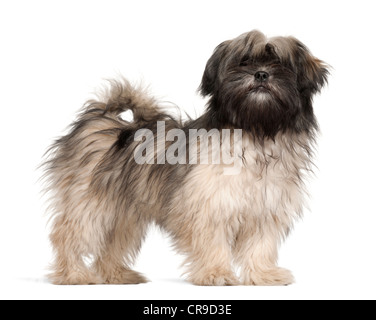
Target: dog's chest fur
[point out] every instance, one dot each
(269, 186)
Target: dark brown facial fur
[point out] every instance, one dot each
(281, 102)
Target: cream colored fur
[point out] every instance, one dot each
(240, 220)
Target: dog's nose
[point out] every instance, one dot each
(261, 76)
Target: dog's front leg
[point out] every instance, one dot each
(256, 252)
(209, 260)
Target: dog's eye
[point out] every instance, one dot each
(244, 62)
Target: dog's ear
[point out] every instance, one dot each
(209, 80)
(312, 73)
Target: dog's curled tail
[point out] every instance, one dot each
(122, 96)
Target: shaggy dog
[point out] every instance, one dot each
(109, 180)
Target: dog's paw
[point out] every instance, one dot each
(271, 277)
(125, 276)
(75, 278)
(215, 278)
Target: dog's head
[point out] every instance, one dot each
(263, 85)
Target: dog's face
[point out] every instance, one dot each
(262, 85)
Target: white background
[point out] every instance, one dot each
(55, 54)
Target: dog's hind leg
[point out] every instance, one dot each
(120, 250)
(70, 249)
(81, 220)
